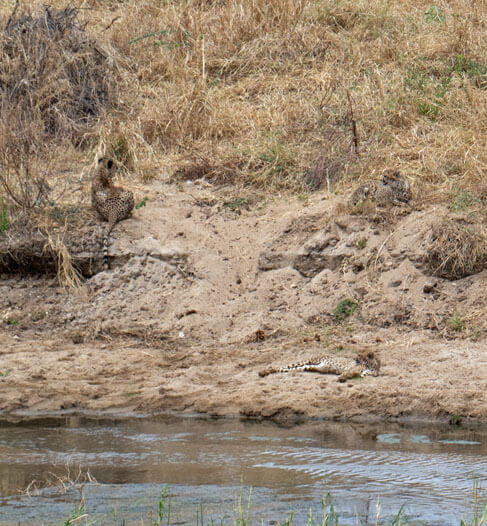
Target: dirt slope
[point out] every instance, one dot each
(207, 287)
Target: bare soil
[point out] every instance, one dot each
(208, 286)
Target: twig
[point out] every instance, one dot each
(76, 519)
(382, 246)
(111, 23)
(12, 14)
(354, 126)
(10, 192)
(203, 62)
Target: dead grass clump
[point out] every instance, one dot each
(53, 72)
(55, 84)
(48, 244)
(67, 274)
(455, 250)
(331, 164)
(270, 164)
(325, 173)
(204, 168)
(63, 481)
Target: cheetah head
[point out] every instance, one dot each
(106, 169)
(370, 361)
(399, 184)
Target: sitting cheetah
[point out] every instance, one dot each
(113, 203)
(364, 363)
(393, 188)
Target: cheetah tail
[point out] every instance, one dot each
(106, 261)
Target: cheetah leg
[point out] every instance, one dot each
(352, 373)
(314, 368)
(288, 369)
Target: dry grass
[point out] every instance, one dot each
(455, 249)
(53, 73)
(263, 84)
(55, 84)
(69, 478)
(67, 274)
(54, 241)
(254, 88)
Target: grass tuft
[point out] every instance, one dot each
(3, 217)
(344, 309)
(455, 250)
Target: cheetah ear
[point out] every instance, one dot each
(109, 164)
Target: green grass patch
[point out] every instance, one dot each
(243, 511)
(433, 82)
(474, 70)
(3, 217)
(463, 200)
(237, 204)
(361, 243)
(429, 110)
(435, 14)
(455, 323)
(142, 203)
(344, 309)
(456, 419)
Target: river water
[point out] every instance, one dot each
(215, 468)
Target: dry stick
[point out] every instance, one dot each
(111, 23)
(382, 246)
(10, 192)
(354, 125)
(203, 61)
(12, 14)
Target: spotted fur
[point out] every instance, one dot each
(364, 363)
(393, 188)
(112, 203)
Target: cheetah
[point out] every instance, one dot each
(393, 188)
(112, 203)
(364, 363)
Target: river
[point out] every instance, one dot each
(219, 471)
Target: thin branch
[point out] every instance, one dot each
(12, 14)
(354, 126)
(111, 23)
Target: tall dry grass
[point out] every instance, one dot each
(55, 86)
(261, 85)
(252, 90)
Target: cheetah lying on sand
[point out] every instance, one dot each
(113, 203)
(364, 363)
